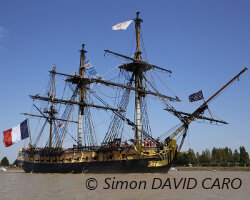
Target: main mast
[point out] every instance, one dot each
(81, 97)
(138, 82)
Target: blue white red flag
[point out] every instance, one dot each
(196, 96)
(15, 134)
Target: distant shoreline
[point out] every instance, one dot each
(246, 169)
(213, 168)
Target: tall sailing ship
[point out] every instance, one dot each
(141, 153)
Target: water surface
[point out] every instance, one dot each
(24, 186)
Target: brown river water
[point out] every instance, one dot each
(205, 185)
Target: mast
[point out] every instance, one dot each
(52, 108)
(138, 82)
(81, 97)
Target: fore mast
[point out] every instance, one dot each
(138, 82)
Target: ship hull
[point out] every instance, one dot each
(124, 166)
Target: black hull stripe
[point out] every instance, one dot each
(124, 166)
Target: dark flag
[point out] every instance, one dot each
(196, 96)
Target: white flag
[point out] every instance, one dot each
(121, 26)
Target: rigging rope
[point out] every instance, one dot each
(143, 46)
(165, 103)
(165, 84)
(116, 123)
(131, 49)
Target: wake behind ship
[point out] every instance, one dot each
(141, 153)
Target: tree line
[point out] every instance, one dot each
(216, 157)
(5, 162)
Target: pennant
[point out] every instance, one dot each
(89, 68)
(15, 134)
(121, 26)
(196, 96)
(88, 65)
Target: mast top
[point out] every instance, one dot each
(83, 50)
(82, 58)
(137, 19)
(137, 28)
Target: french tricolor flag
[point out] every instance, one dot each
(15, 134)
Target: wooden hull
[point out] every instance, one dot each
(119, 160)
(123, 166)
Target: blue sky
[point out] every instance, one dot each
(204, 43)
